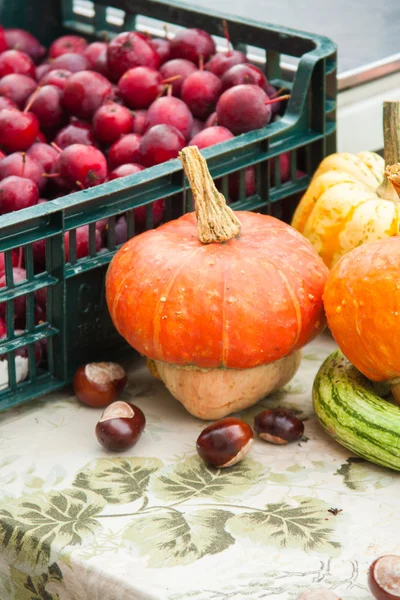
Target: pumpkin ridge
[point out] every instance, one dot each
(112, 308)
(164, 294)
(294, 302)
(225, 337)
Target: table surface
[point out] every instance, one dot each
(78, 523)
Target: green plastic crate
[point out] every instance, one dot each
(78, 327)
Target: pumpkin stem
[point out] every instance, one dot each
(391, 136)
(216, 222)
(392, 173)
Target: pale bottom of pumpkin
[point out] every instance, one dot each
(215, 393)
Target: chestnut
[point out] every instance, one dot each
(99, 384)
(384, 578)
(225, 442)
(120, 426)
(278, 426)
(318, 594)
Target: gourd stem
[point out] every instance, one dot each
(216, 222)
(391, 137)
(392, 173)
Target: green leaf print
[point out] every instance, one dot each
(308, 526)
(191, 478)
(27, 587)
(118, 480)
(170, 538)
(32, 528)
(361, 476)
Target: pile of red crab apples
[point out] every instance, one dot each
(80, 114)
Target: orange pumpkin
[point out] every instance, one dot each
(214, 297)
(362, 304)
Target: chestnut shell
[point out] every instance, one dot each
(120, 433)
(225, 442)
(278, 426)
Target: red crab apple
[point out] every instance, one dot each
(111, 121)
(18, 130)
(222, 61)
(140, 86)
(178, 68)
(125, 150)
(76, 132)
(3, 41)
(19, 39)
(81, 166)
(243, 108)
(211, 136)
(128, 50)
(58, 77)
(191, 44)
(200, 91)
(14, 61)
(47, 104)
(17, 193)
(159, 144)
(71, 62)
(24, 165)
(169, 110)
(243, 74)
(85, 92)
(17, 87)
(67, 44)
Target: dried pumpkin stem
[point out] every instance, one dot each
(391, 136)
(216, 222)
(392, 173)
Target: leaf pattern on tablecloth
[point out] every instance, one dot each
(360, 476)
(118, 480)
(33, 528)
(192, 478)
(27, 587)
(170, 538)
(309, 526)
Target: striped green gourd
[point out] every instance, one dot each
(348, 406)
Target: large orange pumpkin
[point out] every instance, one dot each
(214, 297)
(362, 304)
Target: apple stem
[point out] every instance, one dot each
(279, 99)
(226, 35)
(282, 89)
(171, 79)
(105, 36)
(80, 185)
(54, 145)
(32, 99)
(201, 62)
(165, 27)
(50, 175)
(169, 90)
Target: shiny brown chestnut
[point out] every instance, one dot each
(225, 442)
(278, 426)
(99, 384)
(120, 426)
(384, 578)
(318, 594)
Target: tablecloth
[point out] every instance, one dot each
(154, 523)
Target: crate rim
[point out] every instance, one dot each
(187, 7)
